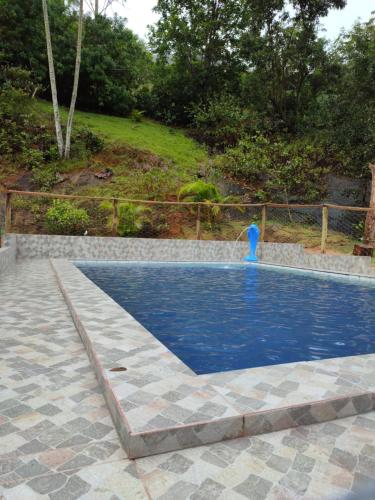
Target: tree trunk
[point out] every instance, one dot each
(96, 12)
(370, 218)
(69, 125)
(52, 77)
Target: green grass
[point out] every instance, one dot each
(168, 143)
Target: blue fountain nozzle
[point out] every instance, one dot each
(253, 234)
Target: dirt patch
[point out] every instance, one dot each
(22, 181)
(134, 158)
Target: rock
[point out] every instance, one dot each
(104, 175)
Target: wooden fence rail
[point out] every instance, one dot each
(115, 202)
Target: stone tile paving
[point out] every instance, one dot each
(322, 461)
(160, 405)
(56, 434)
(57, 440)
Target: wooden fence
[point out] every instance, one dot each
(325, 208)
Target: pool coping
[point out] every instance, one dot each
(158, 404)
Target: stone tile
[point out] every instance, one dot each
(47, 484)
(77, 462)
(166, 406)
(319, 457)
(343, 458)
(31, 469)
(75, 487)
(254, 487)
(49, 409)
(33, 446)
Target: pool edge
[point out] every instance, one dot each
(237, 424)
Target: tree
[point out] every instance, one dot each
(52, 77)
(76, 81)
(101, 10)
(287, 61)
(115, 67)
(22, 34)
(195, 44)
(206, 47)
(63, 150)
(350, 104)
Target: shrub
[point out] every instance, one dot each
(200, 191)
(91, 141)
(136, 115)
(131, 219)
(289, 171)
(220, 123)
(64, 218)
(45, 177)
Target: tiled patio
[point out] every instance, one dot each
(57, 439)
(160, 405)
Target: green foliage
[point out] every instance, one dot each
(255, 78)
(64, 218)
(195, 44)
(200, 191)
(23, 139)
(350, 105)
(136, 115)
(170, 144)
(115, 63)
(45, 176)
(27, 139)
(92, 142)
(219, 123)
(132, 219)
(287, 171)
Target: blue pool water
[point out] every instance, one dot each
(218, 318)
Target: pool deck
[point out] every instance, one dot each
(58, 440)
(160, 405)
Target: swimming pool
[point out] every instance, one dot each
(217, 317)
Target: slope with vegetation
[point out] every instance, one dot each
(275, 106)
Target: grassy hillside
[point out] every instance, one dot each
(168, 143)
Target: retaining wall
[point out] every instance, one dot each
(147, 249)
(7, 255)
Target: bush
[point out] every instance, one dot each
(136, 115)
(91, 141)
(64, 218)
(200, 191)
(220, 123)
(131, 219)
(285, 171)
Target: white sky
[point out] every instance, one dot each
(139, 14)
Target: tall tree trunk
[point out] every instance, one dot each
(370, 218)
(96, 12)
(52, 77)
(69, 125)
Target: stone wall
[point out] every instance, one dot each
(90, 247)
(145, 249)
(7, 255)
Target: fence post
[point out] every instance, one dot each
(324, 229)
(8, 212)
(198, 223)
(263, 225)
(114, 217)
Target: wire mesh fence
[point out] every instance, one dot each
(345, 229)
(294, 225)
(325, 228)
